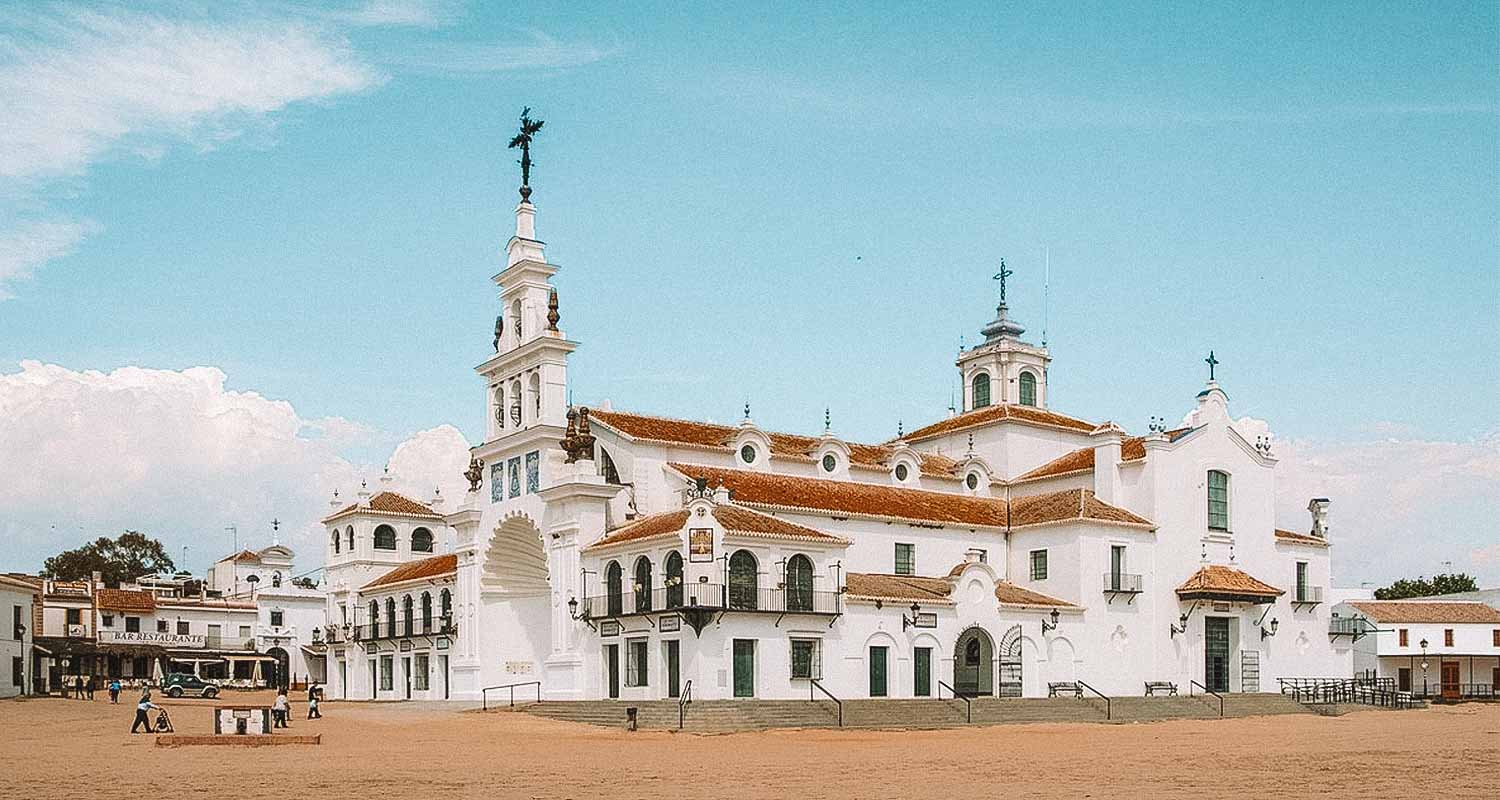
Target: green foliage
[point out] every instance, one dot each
(119, 560)
(1422, 587)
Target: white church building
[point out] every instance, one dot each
(1000, 550)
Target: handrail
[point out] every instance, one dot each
(813, 684)
(968, 704)
(1206, 690)
(1107, 710)
(485, 692)
(682, 703)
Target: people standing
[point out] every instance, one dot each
(114, 691)
(78, 686)
(279, 710)
(140, 713)
(90, 686)
(312, 701)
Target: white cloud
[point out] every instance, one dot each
(176, 454)
(32, 243)
(1401, 506)
(542, 52)
(399, 13)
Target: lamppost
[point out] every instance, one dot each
(1423, 645)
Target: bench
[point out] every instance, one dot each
(1064, 688)
(1161, 687)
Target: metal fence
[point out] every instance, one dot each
(780, 600)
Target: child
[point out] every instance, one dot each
(114, 691)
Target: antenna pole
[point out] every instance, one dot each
(1046, 287)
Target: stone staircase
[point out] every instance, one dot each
(725, 716)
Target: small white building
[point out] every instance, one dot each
(1448, 648)
(289, 609)
(19, 601)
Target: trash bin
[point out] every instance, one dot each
(630, 712)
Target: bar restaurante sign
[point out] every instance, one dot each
(158, 639)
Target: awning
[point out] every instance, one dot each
(314, 651)
(1217, 582)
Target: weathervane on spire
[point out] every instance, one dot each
(1211, 362)
(1001, 276)
(529, 128)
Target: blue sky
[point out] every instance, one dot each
(802, 206)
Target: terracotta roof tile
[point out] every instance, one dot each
(1433, 611)
(388, 503)
(1301, 538)
(1216, 581)
(996, 413)
(1131, 449)
(245, 556)
(126, 600)
(410, 571)
(1014, 595)
(876, 586)
(732, 518)
(784, 445)
(1068, 504)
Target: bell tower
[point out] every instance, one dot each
(1003, 368)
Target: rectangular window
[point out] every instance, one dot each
(182, 627)
(17, 671)
(387, 668)
(244, 631)
(1218, 500)
(533, 472)
(278, 618)
(107, 621)
(1301, 580)
(513, 467)
(1039, 565)
(1447, 637)
(419, 676)
(133, 624)
(635, 662)
(161, 625)
(807, 664)
(906, 559)
(1401, 637)
(1496, 636)
(215, 636)
(497, 482)
(15, 621)
(1116, 565)
(75, 616)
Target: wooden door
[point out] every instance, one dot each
(1450, 680)
(612, 667)
(673, 667)
(744, 667)
(1216, 653)
(1403, 679)
(877, 671)
(922, 672)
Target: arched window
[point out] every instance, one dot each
(614, 589)
(385, 538)
(445, 605)
(535, 390)
(276, 580)
(742, 580)
(607, 466)
(406, 614)
(642, 584)
(500, 407)
(350, 536)
(981, 393)
(673, 579)
(971, 653)
(426, 611)
(374, 622)
(421, 541)
(515, 318)
(1218, 500)
(390, 616)
(799, 583)
(337, 535)
(1028, 389)
(515, 402)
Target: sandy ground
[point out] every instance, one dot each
(52, 747)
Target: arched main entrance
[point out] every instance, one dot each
(973, 663)
(280, 668)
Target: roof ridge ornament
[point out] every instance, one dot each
(523, 139)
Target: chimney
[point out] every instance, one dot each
(1318, 507)
(1106, 441)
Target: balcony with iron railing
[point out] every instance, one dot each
(714, 596)
(403, 629)
(1307, 595)
(1122, 583)
(213, 642)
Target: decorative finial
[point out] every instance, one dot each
(971, 444)
(499, 329)
(552, 315)
(900, 429)
(529, 128)
(747, 410)
(827, 420)
(475, 473)
(1001, 276)
(275, 524)
(1211, 362)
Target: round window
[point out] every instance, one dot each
(901, 472)
(747, 454)
(972, 481)
(830, 463)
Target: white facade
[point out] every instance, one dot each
(1037, 548)
(18, 600)
(289, 611)
(1428, 646)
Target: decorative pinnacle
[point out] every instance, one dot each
(747, 409)
(1211, 362)
(1001, 276)
(827, 420)
(900, 429)
(529, 129)
(552, 315)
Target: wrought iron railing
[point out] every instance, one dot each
(1122, 582)
(1307, 594)
(683, 702)
(1206, 690)
(484, 694)
(1348, 626)
(968, 704)
(229, 642)
(1108, 712)
(711, 595)
(1325, 691)
(840, 703)
(436, 626)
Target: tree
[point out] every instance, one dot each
(1421, 587)
(119, 560)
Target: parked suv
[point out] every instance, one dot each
(177, 684)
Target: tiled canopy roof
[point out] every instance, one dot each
(426, 568)
(1014, 595)
(1301, 538)
(875, 586)
(996, 413)
(389, 503)
(126, 600)
(733, 519)
(1434, 611)
(1082, 459)
(244, 557)
(848, 497)
(1217, 582)
(784, 445)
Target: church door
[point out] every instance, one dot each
(922, 672)
(1216, 653)
(877, 671)
(744, 667)
(973, 664)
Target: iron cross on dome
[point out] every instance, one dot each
(1211, 362)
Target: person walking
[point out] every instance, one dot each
(141, 708)
(279, 710)
(90, 686)
(114, 691)
(312, 701)
(78, 686)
